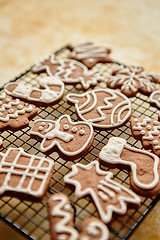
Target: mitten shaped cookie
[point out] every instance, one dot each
(103, 108)
(71, 139)
(147, 130)
(51, 91)
(108, 196)
(23, 175)
(69, 71)
(143, 166)
(89, 53)
(131, 79)
(14, 114)
(62, 225)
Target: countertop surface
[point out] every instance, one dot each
(30, 30)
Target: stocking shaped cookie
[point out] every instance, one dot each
(23, 175)
(148, 131)
(142, 165)
(108, 195)
(52, 91)
(70, 139)
(103, 108)
(62, 225)
(89, 53)
(131, 79)
(69, 71)
(14, 114)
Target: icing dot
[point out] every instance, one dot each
(66, 127)
(142, 132)
(43, 124)
(155, 123)
(1, 114)
(11, 110)
(40, 128)
(148, 127)
(155, 142)
(81, 132)
(135, 120)
(74, 129)
(19, 107)
(90, 60)
(67, 207)
(7, 100)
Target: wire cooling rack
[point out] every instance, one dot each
(31, 218)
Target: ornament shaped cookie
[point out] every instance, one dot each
(62, 224)
(103, 108)
(89, 53)
(154, 98)
(71, 139)
(69, 71)
(14, 114)
(23, 175)
(131, 79)
(147, 130)
(108, 196)
(142, 165)
(51, 92)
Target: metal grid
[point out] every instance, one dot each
(31, 218)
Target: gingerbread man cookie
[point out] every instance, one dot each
(154, 98)
(103, 108)
(69, 71)
(147, 130)
(89, 53)
(71, 139)
(62, 225)
(108, 195)
(23, 175)
(51, 92)
(14, 114)
(142, 165)
(131, 79)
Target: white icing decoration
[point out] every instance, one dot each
(148, 127)
(11, 110)
(65, 73)
(47, 95)
(92, 230)
(19, 107)
(40, 128)
(104, 212)
(10, 113)
(43, 124)
(129, 76)
(155, 123)
(24, 171)
(56, 133)
(81, 132)
(74, 129)
(107, 104)
(88, 50)
(111, 154)
(143, 124)
(61, 226)
(155, 142)
(7, 100)
(142, 132)
(155, 132)
(0, 102)
(154, 99)
(66, 127)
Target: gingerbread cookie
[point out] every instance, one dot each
(154, 98)
(23, 175)
(147, 130)
(71, 139)
(142, 165)
(14, 114)
(131, 79)
(51, 92)
(62, 225)
(69, 71)
(89, 53)
(103, 108)
(108, 195)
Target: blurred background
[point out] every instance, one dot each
(30, 30)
